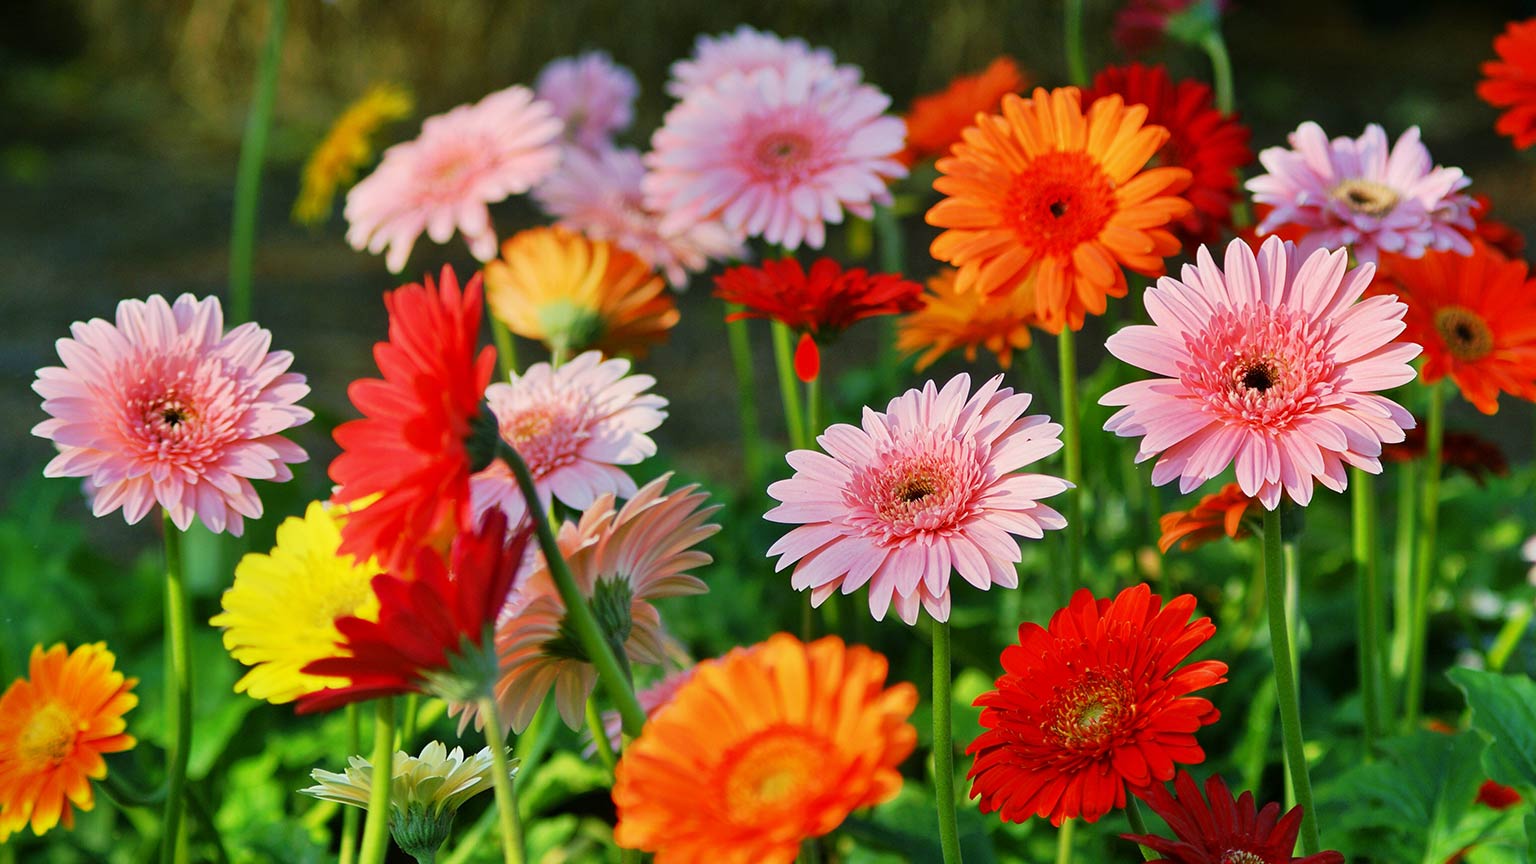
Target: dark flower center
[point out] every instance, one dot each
(1058, 201)
(1259, 378)
(173, 416)
(915, 489)
(1465, 333)
(1058, 209)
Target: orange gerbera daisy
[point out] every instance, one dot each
(1475, 315)
(1044, 191)
(572, 294)
(935, 121)
(54, 728)
(1216, 515)
(763, 748)
(951, 319)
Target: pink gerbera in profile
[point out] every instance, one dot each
(1270, 364)
(775, 154)
(598, 194)
(165, 407)
(574, 425)
(1364, 194)
(471, 157)
(592, 95)
(927, 487)
(745, 50)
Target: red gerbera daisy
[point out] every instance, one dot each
(409, 447)
(1092, 703)
(1500, 235)
(1212, 145)
(819, 304)
(1223, 829)
(1510, 82)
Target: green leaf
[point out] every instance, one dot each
(1504, 714)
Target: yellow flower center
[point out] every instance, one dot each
(528, 425)
(774, 772)
(1090, 712)
(49, 736)
(1465, 332)
(1366, 197)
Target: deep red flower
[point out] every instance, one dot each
(1510, 82)
(1091, 704)
(1212, 145)
(409, 447)
(1497, 795)
(1223, 830)
(819, 304)
(1140, 25)
(1478, 457)
(1500, 235)
(434, 630)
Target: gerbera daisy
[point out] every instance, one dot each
(1219, 829)
(745, 50)
(599, 195)
(464, 160)
(592, 95)
(1497, 795)
(574, 425)
(927, 487)
(165, 407)
(1212, 145)
(1471, 454)
(779, 742)
(55, 725)
(409, 447)
(622, 559)
(280, 613)
(1502, 236)
(1363, 194)
(1510, 82)
(1140, 25)
(1045, 193)
(950, 319)
(1271, 365)
(651, 699)
(1092, 703)
(1475, 315)
(935, 120)
(347, 147)
(818, 305)
(774, 154)
(1216, 515)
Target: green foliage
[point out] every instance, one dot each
(1504, 714)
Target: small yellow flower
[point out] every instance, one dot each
(346, 148)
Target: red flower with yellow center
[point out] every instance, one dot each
(936, 120)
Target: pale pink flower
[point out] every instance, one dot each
(1271, 365)
(651, 699)
(464, 160)
(574, 425)
(745, 50)
(1363, 194)
(592, 95)
(927, 487)
(774, 154)
(165, 407)
(598, 194)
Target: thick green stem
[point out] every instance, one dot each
(1368, 599)
(1424, 557)
(599, 736)
(1071, 576)
(1289, 695)
(1221, 68)
(511, 823)
(349, 815)
(506, 349)
(1509, 637)
(789, 393)
(893, 256)
(178, 694)
(1077, 62)
(1064, 841)
(253, 156)
(376, 826)
(1139, 826)
(408, 722)
(813, 419)
(1402, 579)
(944, 746)
(746, 400)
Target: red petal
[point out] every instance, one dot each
(807, 359)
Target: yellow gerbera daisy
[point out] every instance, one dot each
(345, 149)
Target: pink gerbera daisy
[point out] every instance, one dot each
(165, 407)
(574, 425)
(745, 50)
(1361, 193)
(775, 154)
(1271, 365)
(598, 194)
(925, 488)
(592, 95)
(473, 156)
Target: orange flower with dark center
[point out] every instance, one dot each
(951, 319)
(1510, 82)
(1045, 199)
(936, 120)
(1217, 515)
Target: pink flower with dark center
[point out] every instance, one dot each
(165, 407)
(592, 95)
(775, 154)
(1270, 364)
(1363, 194)
(927, 487)
(464, 160)
(746, 50)
(574, 425)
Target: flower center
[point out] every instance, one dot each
(49, 736)
(547, 435)
(1090, 712)
(1466, 334)
(1059, 201)
(164, 417)
(1260, 367)
(785, 154)
(1366, 197)
(912, 488)
(1260, 376)
(1241, 856)
(773, 773)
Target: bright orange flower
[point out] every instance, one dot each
(1045, 193)
(54, 728)
(1216, 515)
(763, 748)
(951, 319)
(935, 121)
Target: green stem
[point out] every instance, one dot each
(746, 400)
(813, 420)
(506, 349)
(1368, 599)
(810, 851)
(1424, 557)
(599, 736)
(1289, 695)
(1064, 841)
(408, 723)
(253, 154)
(376, 826)
(944, 746)
(1509, 637)
(1139, 826)
(1402, 578)
(1071, 576)
(893, 255)
(349, 815)
(1221, 68)
(783, 360)
(1077, 63)
(501, 778)
(178, 693)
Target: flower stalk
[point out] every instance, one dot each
(746, 399)
(178, 696)
(349, 815)
(789, 392)
(1368, 599)
(1424, 557)
(944, 746)
(1072, 448)
(376, 826)
(509, 821)
(253, 156)
(1286, 688)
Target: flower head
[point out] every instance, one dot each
(1270, 365)
(1140, 25)
(1364, 194)
(1472, 454)
(935, 120)
(1219, 829)
(55, 725)
(165, 407)
(1510, 82)
(409, 447)
(464, 160)
(1217, 515)
(779, 741)
(651, 699)
(574, 425)
(347, 147)
(593, 96)
(281, 612)
(1091, 704)
(744, 51)
(929, 486)
(775, 154)
(950, 319)
(1502, 236)
(1497, 796)
(1043, 192)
